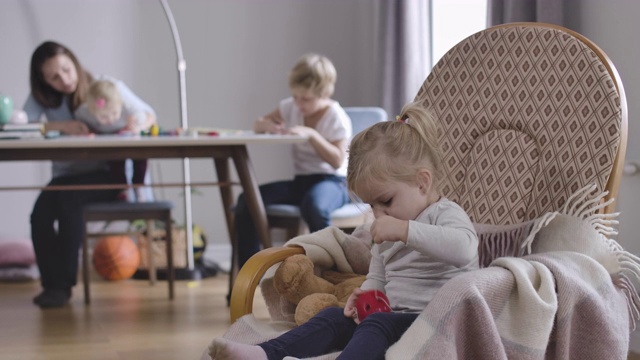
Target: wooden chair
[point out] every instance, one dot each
(349, 216)
(530, 113)
(113, 211)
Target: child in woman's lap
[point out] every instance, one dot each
(104, 112)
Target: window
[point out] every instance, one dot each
(453, 21)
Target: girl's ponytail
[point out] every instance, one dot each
(395, 150)
(419, 118)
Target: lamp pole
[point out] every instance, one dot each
(182, 67)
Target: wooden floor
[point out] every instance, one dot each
(126, 320)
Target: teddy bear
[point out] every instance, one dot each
(335, 262)
(297, 282)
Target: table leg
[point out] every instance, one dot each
(222, 170)
(252, 193)
(249, 184)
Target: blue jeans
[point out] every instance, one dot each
(330, 331)
(57, 249)
(316, 195)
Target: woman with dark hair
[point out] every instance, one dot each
(59, 86)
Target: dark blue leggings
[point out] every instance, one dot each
(331, 331)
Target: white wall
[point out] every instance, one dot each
(238, 53)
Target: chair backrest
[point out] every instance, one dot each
(364, 116)
(529, 113)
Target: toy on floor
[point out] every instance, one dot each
(116, 257)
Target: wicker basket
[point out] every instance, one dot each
(159, 251)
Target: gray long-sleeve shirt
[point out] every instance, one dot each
(441, 244)
(131, 106)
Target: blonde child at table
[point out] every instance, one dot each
(320, 164)
(104, 112)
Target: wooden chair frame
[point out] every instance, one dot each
(160, 210)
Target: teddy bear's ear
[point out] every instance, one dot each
(309, 306)
(357, 248)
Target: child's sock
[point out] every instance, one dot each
(223, 349)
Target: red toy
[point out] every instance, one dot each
(370, 302)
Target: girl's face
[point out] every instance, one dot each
(401, 200)
(308, 102)
(60, 73)
(109, 114)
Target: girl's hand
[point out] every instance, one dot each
(388, 228)
(139, 122)
(132, 124)
(302, 131)
(69, 127)
(269, 125)
(350, 307)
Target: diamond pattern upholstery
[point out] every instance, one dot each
(529, 114)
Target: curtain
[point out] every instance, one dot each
(406, 51)
(506, 11)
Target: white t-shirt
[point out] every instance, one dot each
(334, 125)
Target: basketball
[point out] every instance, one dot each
(116, 257)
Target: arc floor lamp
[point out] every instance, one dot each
(182, 67)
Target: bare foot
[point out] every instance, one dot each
(223, 349)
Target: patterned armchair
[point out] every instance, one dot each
(530, 112)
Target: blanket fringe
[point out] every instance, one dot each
(541, 222)
(629, 267)
(498, 244)
(584, 204)
(633, 300)
(581, 204)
